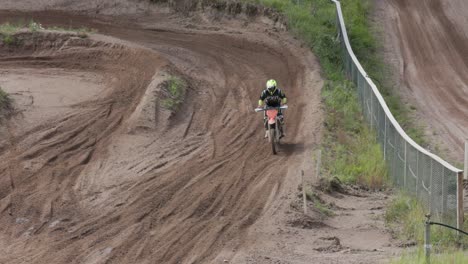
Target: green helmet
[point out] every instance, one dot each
(271, 86)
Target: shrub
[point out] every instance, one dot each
(175, 93)
(5, 100)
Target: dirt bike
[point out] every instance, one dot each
(273, 125)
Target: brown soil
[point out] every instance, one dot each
(95, 170)
(426, 41)
(355, 233)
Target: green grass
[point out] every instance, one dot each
(418, 257)
(351, 151)
(175, 93)
(323, 209)
(319, 205)
(405, 216)
(8, 30)
(5, 101)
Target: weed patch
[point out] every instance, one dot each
(352, 151)
(405, 216)
(418, 257)
(323, 209)
(5, 101)
(175, 89)
(34, 26)
(8, 30)
(331, 185)
(319, 204)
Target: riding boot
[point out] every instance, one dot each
(282, 128)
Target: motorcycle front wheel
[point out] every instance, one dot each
(272, 136)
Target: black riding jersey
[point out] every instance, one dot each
(274, 99)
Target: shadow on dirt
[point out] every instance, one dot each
(293, 148)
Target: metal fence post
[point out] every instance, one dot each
(385, 139)
(444, 193)
(417, 174)
(404, 166)
(427, 239)
(394, 161)
(466, 159)
(430, 188)
(460, 201)
(371, 111)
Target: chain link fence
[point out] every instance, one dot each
(436, 183)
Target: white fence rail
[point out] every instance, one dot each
(437, 184)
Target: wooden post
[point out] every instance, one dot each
(466, 159)
(304, 198)
(460, 201)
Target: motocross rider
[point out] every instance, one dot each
(273, 96)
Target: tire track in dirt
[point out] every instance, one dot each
(106, 191)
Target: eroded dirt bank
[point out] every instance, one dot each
(427, 42)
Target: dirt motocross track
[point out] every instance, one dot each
(427, 42)
(109, 175)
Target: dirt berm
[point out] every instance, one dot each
(93, 167)
(427, 43)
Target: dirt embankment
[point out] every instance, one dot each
(427, 41)
(41, 161)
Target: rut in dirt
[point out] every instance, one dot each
(120, 179)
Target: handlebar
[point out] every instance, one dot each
(260, 109)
